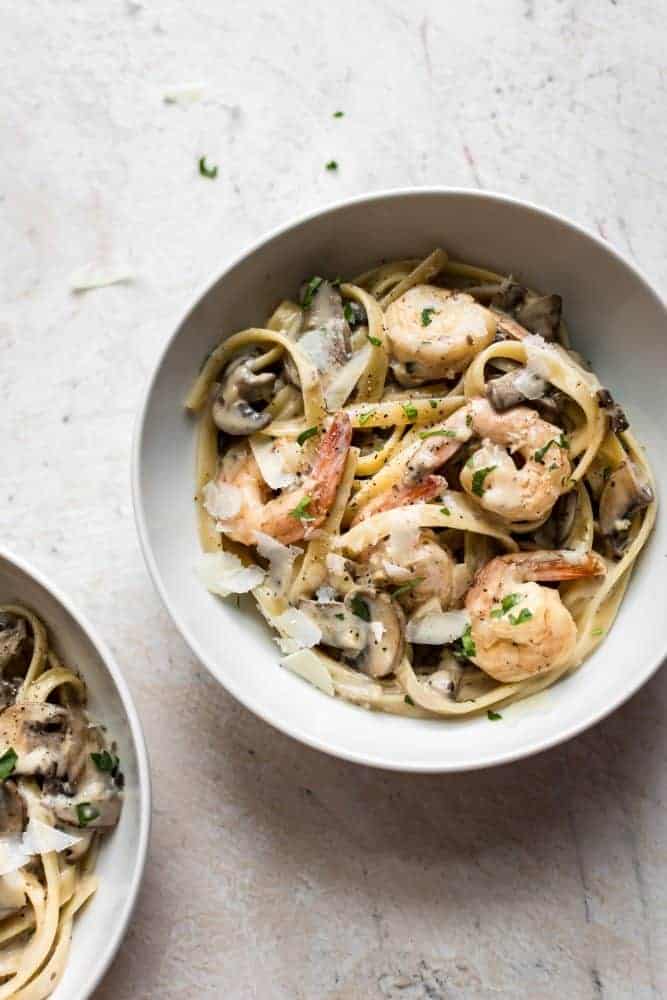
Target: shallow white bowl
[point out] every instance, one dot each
(100, 926)
(617, 321)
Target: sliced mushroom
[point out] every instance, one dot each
(541, 315)
(555, 532)
(386, 633)
(340, 626)
(622, 497)
(519, 386)
(617, 419)
(506, 294)
(49, 740)
(12, 810)
(97, 803)
(239, 387)
(13, 634)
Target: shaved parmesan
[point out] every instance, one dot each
(270, 462)
(281, 559)
(539, 355)
(40, 838)
(325, 595)
(344, 381)
(335, 564)
(222, 500)
(184, 93)
(12, 855)
(437, 628)
(87, 278)
(529, 383)
(311, 668)
(300, 631)
(223, 573)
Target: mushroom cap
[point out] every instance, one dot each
(13, 633)
(623, 495)
(49, 740)
(385, 647)
(240, 386)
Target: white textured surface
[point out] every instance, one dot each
(276, 872)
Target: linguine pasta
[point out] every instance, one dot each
(60, 789)
(432, 498)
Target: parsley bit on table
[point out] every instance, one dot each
(332, 165)
(206, 171)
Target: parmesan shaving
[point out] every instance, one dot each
(40, 838)
(437, 628)
(280, 557)
(300, 631)
(223, 573)
(378, 630)
(12, 855)
(344, 381)
(270, 462)
(529, 383)
(335, 563)
(309, 666)
(538, 355)
(222, 500)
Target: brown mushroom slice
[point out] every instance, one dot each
(554, 533)
(617, 419)
(13, 633)
(516, 387)
(623, 496)
(239, 387)
(541, 315)
(340, 626)
(506, 294)
(49, 740)
(12, 809)
(386, 631)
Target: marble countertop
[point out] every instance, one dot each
(275, 871)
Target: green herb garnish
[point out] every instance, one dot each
(105, 761)
(468, 643)
(338, 114)
(365, 417)
(360, 608)
(408, 700)
(442, 433)
(410, 410)
(478, 477)
(375, 341)
(469, 420)
(205, 171)
(332, 165)
(407, 586)
(308, 433)
(446, 511)
(86, 813)
(340, 617)
(493, 716)
(427, 316)
(541, 452)
(311, 288)
(597, 631)
(300, 512)
(563, 441)
(348, 313)
(524, 616)
(508, 602)
(8, 763)
(433, 403)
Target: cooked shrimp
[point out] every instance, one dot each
(519, 628)
(491, 475)
(402, 495)
(295, 511)
(428, 570)
(437, 332)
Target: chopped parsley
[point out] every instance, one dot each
(206, 171)
(493, 716)
(410, 410)
(8, 763)
(360, 608)
(332, 165)
(508, 602)
(468, 643)
(340, 616)
(440, 433)
(86, 813)
(375, 341)
(597, 631)
(433, 403)
(365, 417)
(308, 433)
(338, 114)
(105, 761)
(524, 616)
(563, 441)
(541, 452)
(478, 477)
(469, 420)
(446, 511)
(348, 313)
(408, 700)
(407, 586)
(427, 316)
(311, 288)
(300, 512)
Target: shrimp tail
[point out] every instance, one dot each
(426, 489)
(564, 565)
(329, 464)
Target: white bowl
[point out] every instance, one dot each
(617, 321)
(100, 926)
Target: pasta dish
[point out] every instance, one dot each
(432, 498)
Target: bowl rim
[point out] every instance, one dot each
(102, 963)
(290, 729)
